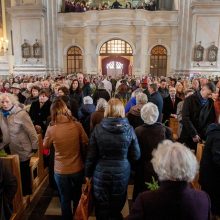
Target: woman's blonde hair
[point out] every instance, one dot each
(11, 97)
(115, 109)
(58, 108)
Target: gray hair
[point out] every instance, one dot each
(101, 104)
(149, 113)
(141, 98)
(174, 161)
(11, 97)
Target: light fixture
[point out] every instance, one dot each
(3, 45)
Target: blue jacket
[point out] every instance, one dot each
(131, 102)
(112, 144)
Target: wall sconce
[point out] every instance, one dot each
(211, 64)
(4, 45)
(198, 64)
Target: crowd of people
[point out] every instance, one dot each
(106, 129)
(82, 6)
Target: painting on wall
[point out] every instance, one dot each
(1, 26)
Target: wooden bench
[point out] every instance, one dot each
(19, 203)
(38, 172)
(174, 126)
(199, 151)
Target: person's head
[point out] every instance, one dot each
(35, 91)
(6, 85)
(149, 113)
(173, 82)
(203, 81)
(59, 108)
(45, 84)
(15, 88)
(172, 92)
(163, 84)
(175, 162)
(136, 92)
(152, 88)
(29, 86)
(87, 100)
(80, 78)
(188, 93)
(101, 85)
(207, 90)
(7, 101)
(195, 84)
(63, 91)
(56, 87)
(43, 96)
(215, 95)
(101, 104)
(141, 98)
(75, 85)
(179, 87)
(115, 109)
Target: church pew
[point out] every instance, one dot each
(199, 151)
(19, 203)
(174, 126)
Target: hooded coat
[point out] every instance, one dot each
(134, 116)
(113, 144)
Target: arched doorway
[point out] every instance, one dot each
(116, 58)
(158, 61)
(74, 60)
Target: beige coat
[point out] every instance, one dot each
(19, 132)
(69, 139)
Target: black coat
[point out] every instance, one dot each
(8, 188)
(112, 144)
(78, 96)
(210, 167)
(173, 201)
(195, 119)
(39, 116)
(134, 116)
(157, 99)
(149, 136)
(21, 98)
(169, 108)
(100, 93)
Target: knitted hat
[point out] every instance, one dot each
(87, 100)
(149, 113)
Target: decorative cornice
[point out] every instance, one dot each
(212, 7)
(27, 11)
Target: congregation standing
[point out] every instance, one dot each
(101, 128)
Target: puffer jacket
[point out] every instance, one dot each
(112, 144)
(19, 132)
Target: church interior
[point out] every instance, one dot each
(137, 39)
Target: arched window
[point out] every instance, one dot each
(116, 47)
(74, 60)
(158, 61)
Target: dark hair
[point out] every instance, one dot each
(45, 92)
(64, 90)
(36, 88)
(211, 86)
(154, 87)
(78, 90)
(162, 80)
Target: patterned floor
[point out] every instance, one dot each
(46, 205)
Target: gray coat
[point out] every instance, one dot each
(19, 132)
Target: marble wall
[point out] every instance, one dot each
(178, 31)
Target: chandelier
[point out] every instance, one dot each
(3, 45)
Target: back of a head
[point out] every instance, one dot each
(58, 108)
(154, 87)
(115, 109)
(149, 113)
(87, 100)
(101, 104)
(175, 162)
(141, 98)
(211, 86)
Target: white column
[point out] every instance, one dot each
(87, 50)
(185, 23)
(138, 51)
